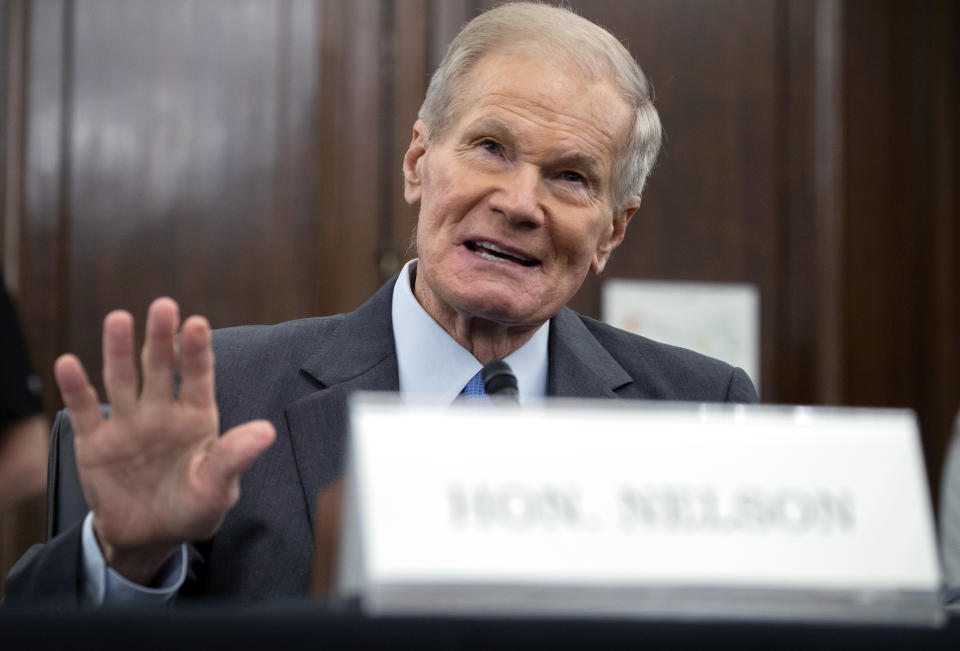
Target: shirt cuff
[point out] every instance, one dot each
(103, 586)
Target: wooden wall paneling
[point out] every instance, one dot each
(137, 134)
(295, 223)
(829, 183)
(798, 292)
(900, 240)
(945, 338)
(9, 53)
(333, 140)
(882, 226)
(446, 17)
(936, 62)
(713, 69)
(810, 185)
(351, 182)
(6, 52)
(865, 265)
(914, 223)
(193, 131)
(387, 260)
(411, 44)
(12, 68)
(710, 209)
(42, 242)
(32, 212)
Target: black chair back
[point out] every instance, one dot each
(66, 505)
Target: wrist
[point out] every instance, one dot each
(139, 563)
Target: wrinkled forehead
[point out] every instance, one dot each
(558, 108)
(513, 66)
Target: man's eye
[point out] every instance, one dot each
(572, 177)
(491, 146)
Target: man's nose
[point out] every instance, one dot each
(518, 196)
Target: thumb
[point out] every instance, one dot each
(238, 448)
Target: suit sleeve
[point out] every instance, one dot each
(68, 570)
(740, 388)
(47, 575)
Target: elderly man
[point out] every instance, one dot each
(528, 160)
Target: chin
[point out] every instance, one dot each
(500, 309)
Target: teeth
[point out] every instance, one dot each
(497, 249)
(487, 256)
(492, 247)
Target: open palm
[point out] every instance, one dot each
(156, 473)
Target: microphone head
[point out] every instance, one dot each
(499, 381)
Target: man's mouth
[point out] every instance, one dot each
(493, 252)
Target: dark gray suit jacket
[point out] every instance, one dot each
(298, 375)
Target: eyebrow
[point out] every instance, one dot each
(491, 127)
(589, 165)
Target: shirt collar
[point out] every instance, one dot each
(432, 363)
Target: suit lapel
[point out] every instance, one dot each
(359, 355)
(579, 366)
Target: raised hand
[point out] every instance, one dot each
(156, 473)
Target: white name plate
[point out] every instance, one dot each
(638, 509)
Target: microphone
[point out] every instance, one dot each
(500, 383)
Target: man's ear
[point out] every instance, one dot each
(615, 234)
(411, 163)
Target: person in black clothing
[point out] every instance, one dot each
(23, 427)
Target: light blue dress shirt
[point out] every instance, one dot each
(434, 365)
(431, 365)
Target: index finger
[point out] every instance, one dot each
(78, 394)
(119, 370)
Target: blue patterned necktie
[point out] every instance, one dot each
(474, 389)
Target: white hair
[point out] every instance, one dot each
(560, 35)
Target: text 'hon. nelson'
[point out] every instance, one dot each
(673, 509)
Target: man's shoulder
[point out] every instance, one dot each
(637, 346)
(258, 355)
(272, 339)
(302, 337)
(664, 371)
